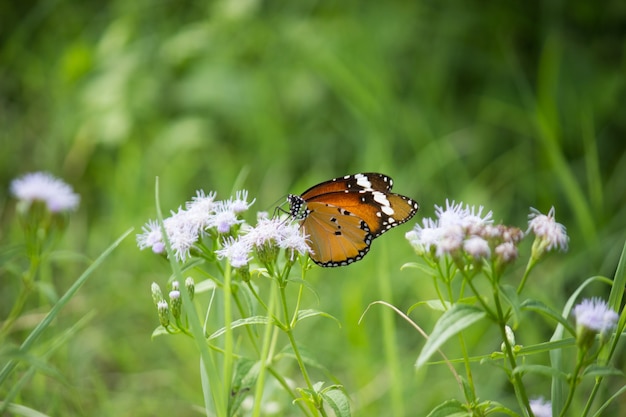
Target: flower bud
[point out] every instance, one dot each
(157, 295)
(176, 303)
(164, 313)
(191, 287)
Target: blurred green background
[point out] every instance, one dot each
(503, 104)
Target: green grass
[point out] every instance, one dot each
(491, 104)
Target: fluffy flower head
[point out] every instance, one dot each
(42, 186)
(550, 234)
(541, 407)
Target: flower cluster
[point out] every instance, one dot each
(42, 186)
(265, 239)
(461, 231)
(202, 215)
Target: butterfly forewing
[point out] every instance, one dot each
(351, 183)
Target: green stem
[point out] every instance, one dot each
(574, 382)
(520, 390)
(227, 371)
(529, 267)
(289, 330)
(265, 357)
(27, 285)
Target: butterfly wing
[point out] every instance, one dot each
(370, 181)
(380, 211)
(336, 236)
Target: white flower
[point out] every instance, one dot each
(151, 237)
(450, 239)
(240, 203)
(293, 240)
(552, 234)
(237, 251)
(594, 314)
(225, 218)
(541, 407)
(507, 251)
(41, 186)
(477, 247)
(201, 210)
(453, 214)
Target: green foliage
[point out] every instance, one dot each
(501, 104)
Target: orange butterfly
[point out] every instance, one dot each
(344, 215)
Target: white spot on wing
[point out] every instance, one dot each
(363, 182)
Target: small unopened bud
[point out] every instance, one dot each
(176, 303)
(157, 295)
(175, 286)
(510, 338)
(191, 287)
(164, 313)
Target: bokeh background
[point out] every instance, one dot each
(503, 104)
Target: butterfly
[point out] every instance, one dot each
(342, 217)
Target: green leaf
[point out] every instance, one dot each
(204, 286)
(435, 304)
(541, 370)
(244, 378)
(305, 354)
(596, 371)
(39, 329)
(159, 331)
(539, 307)
(337, 399)
(305, 314)
(458, 318)
(451, 408)
(247, 321)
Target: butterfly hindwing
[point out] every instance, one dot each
(336, 236)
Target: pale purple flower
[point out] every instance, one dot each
(594, 314)
(42, 186)
(477, 247)
(453, 214)
(182, 234)
(450, 239)
(237, 251)
(266, 231)
(293, 240)
(423, 237)
(225, 218)
(200, 211)
(541, 407)
(546, 229)
(151, 237)
(456, 227)
(240, 203)
(507, 252)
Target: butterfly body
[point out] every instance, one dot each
(342, 217)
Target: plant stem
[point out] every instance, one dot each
(520, 390)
